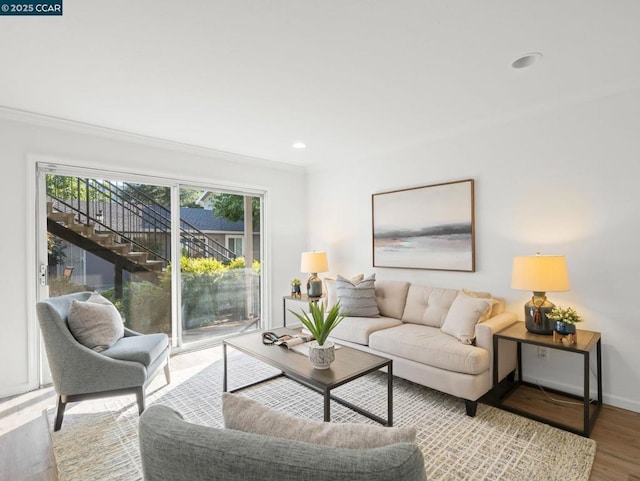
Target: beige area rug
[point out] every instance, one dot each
(98, 440)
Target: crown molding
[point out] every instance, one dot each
(48, 121)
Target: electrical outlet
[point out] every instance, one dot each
(543, 353)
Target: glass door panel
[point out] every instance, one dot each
(220, 288)
(113, 237)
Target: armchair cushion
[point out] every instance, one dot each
(95, 323)
(143, 349)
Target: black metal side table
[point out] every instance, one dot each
(586, 341)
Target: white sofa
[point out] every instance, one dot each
(408, 331)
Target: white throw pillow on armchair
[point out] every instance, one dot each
(96, 323)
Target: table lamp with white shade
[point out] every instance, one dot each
(313, 263)
(539, 274)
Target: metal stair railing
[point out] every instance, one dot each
(131, 214)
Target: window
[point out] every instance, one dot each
(234, 244)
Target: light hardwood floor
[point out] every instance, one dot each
(25, 448)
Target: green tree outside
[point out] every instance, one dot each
(231, 207)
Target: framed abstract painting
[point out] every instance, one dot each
(429, 227)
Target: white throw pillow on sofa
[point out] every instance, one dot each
(498, 304)
(244, 414)
(464, 314)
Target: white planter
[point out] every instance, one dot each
(321, 356)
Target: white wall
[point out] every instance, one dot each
(559, 182)
(22, 137)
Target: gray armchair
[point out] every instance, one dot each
(80, 373)
(172, 449)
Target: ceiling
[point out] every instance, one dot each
(350, 78)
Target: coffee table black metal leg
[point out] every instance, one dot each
(327, 405)
(496, 390)
(224, 375)
(390, 395)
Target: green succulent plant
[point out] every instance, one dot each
(318, 322)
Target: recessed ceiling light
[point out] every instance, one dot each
(526, 60)
(299, 145)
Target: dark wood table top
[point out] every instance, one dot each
(586, 340)
(349, 363)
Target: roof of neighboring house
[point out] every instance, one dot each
(204, 220)
(119, 220)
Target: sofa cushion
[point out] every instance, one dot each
(428, 305)
(357, 299)
(464, 314)
(430, 346)
(330, 289)
(391, 297)
(96, 323)
(358, 329)
(244, 414)
(143, 349)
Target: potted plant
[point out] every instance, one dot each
(566, 319)
(320, 323)
(295, 288)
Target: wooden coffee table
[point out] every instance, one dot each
(349, 364)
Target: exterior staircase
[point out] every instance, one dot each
(122, 225)
(104, 245)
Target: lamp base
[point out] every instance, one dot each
(314, 286)
(535, 315)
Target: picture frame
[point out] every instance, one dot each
(428, 227)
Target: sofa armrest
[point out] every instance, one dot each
(484, 339)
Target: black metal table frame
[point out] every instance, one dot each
(588, 418)
(325, 391)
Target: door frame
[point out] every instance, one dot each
(37, 166)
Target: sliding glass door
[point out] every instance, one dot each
(159, 250)
(219, 281)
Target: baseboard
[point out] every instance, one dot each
(16, 390)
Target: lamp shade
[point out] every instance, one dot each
(540, 273)
(314, 262)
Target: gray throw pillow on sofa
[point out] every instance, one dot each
(96, 323)
(357, 299)
(330, 289)
(244, 414)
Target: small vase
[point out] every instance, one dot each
(565, 327)
(321, 357)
